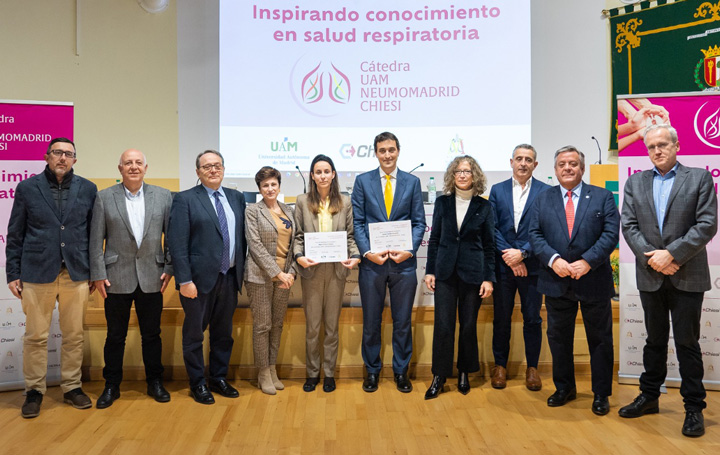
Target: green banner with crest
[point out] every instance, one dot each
(663, 48)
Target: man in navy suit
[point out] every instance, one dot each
(516, 267)
(387, 194)
(573, 230)
(48, 261)
(207, 244)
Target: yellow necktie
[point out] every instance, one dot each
(388, 196)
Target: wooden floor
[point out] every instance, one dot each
(349, 420)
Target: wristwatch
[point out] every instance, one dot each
(524, 253)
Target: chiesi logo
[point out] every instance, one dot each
(320, 89)
(349, 151)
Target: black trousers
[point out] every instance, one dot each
(148, 308)
(503, 306)
(455, 300)
(215, 309)
(597, 318)
(685, 310)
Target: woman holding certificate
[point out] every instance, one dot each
(323, 210)
(269, 273)
(460, 270)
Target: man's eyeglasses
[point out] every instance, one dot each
(59, 153)
(462, 172)
(210, 167)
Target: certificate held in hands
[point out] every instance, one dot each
(390, 235)
(326, 246)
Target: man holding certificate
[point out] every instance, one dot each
(387, 195)
(325, 250)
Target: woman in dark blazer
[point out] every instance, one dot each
(269, 273)
(460, 270)
(323, 209)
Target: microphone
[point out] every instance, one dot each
(416, 167)
(599, 150)
(303, 177)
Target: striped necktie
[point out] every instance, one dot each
(222, 218)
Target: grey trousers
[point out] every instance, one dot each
(268, 304)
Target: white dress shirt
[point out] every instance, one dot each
(135, 204)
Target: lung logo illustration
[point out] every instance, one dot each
(313, 83)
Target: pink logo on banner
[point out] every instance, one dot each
(697, 119)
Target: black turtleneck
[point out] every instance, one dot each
(59, 190)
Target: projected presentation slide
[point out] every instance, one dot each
(308, 77)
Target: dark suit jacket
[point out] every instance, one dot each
(369, 207)
(595, 234)
(471, 250)
(121, 261)
(501, 198)
(690, 223)
(196, 241)
(38, 240)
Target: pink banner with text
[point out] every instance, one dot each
(26, 127)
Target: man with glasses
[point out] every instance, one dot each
(47, 262)
(516, 267)
(207, 246)
(669, 215)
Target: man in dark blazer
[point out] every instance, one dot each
(47, 261)
(129, 264)
(669, 215)
(207, 246)
(387, 194)
(573, 230)
(516, 267)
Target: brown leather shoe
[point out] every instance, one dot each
(532, 379)
(498, 378)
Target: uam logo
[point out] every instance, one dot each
(707, 124)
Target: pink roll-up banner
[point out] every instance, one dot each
(26, 127)
(696, 116)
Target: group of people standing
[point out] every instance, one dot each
(65, 240)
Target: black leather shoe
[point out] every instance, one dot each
(600, 405)
(403, 383)
(694, 424)
(370, 384)
(108, 396)
(328, 384)
(639, 407)
(463, 383)
(561, 397)
(221, 386)
(156, 390)
(436, 387)
(310, 384)
(202, 394)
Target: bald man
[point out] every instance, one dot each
(129, 220)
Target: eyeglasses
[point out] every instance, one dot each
(59, 153)
(462, 172)
(210, 167)
(660, 146)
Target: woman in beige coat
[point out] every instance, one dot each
(323, 209)
(269, 273)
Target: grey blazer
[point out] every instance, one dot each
(690, 223)
(306, 221)
(122, 263)
(261, 234)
